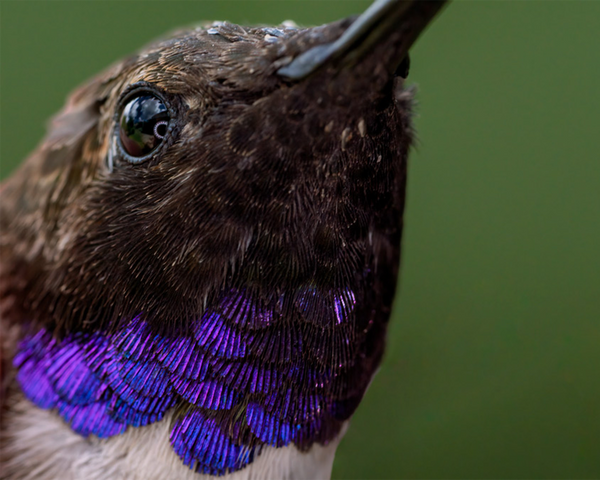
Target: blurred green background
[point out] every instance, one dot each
(493, 363)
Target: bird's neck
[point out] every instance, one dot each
(41, 438)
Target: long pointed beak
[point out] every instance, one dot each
(393, 24)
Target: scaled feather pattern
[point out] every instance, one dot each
(243, 376)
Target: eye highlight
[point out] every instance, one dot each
(143, 125)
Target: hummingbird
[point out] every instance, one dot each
(199, 260)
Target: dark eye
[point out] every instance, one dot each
(143, 124)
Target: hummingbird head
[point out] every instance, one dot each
(260, 157)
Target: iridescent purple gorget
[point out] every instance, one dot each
(246, 375)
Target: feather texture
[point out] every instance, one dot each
(239, 380)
